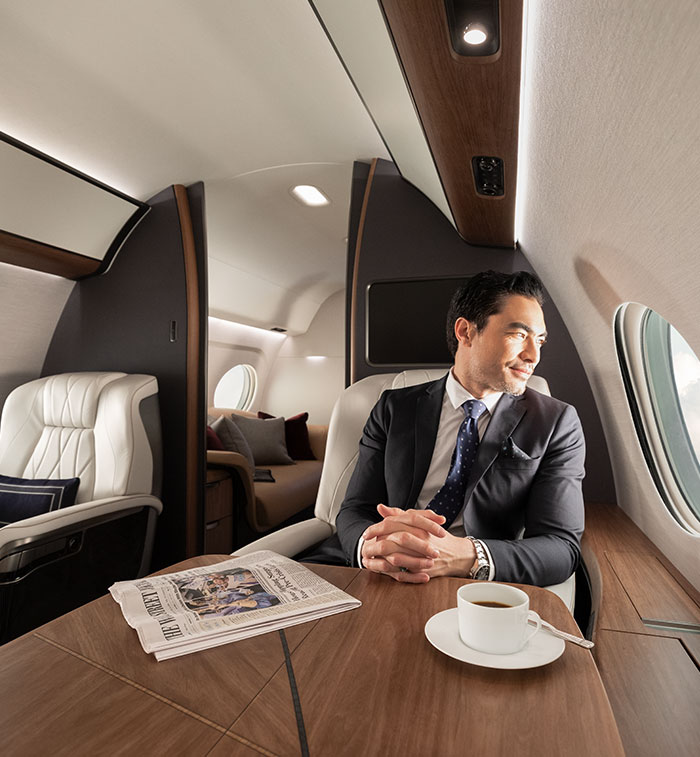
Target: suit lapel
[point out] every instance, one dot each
(506, 417)
(428, 409)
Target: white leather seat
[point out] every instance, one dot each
(105, 429)
(344, 432)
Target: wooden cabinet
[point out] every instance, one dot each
(218, 512)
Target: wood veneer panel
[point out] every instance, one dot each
(691, 642)
(468, 107)
(355, 296)
(229, 746)
(654, 689)
(654, 593)
(608, 530)
(192, 453)
(236, 672)
(368, 680)
(54, 703)
(37, 256)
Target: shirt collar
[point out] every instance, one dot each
(459, 395)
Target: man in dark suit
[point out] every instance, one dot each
(521, 476)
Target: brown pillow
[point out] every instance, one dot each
(296, 436)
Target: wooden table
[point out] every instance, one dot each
(368, 683)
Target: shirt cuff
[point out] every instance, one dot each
(492, 569)
(358, 554)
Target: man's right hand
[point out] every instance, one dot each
(398, 545)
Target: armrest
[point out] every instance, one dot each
(292, 540)
(238, 463)
(318, 436)
(32, 542)
(87, 513)
(220, 457)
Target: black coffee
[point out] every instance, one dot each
(491, 604)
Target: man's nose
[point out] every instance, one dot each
(531, 351)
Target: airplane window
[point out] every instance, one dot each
(662, 377)
(237, 387)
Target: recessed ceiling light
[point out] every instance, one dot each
(309, 195)
(474, 34)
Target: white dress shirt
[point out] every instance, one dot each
(451, 417)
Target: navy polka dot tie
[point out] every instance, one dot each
(450, 498)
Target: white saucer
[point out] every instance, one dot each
(442, 632)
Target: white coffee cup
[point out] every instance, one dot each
(501, 625)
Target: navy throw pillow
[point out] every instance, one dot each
(22, 498)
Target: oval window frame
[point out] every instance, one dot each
(652, 394)
(247, 392)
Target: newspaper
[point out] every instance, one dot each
(179, 613)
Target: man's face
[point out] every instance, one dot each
(502, 356)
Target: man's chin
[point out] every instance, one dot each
(515, 386)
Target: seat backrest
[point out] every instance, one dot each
(347, 422)
(102, 427)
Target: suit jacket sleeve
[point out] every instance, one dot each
(549, 551)
(367, 486)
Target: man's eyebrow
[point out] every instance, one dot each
(525, 327)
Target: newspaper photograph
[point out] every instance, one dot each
(195, 609)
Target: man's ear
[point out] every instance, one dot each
(464, 331)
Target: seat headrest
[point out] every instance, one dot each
(70, 400)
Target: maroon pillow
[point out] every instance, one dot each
(213, 441)
(296, 436)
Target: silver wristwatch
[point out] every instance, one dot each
(482, 568)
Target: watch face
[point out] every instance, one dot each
(482, 574)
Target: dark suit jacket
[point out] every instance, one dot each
(527, 475)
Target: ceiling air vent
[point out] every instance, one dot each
(488, 175)
(279, 329)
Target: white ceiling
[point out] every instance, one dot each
(247, 95)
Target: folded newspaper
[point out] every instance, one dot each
(179, 613)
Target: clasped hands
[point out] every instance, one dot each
(412, 546)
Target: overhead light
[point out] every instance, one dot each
(474, 34)
(473, 26)
(309, 195)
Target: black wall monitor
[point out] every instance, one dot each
(406, 321)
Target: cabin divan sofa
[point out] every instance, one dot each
(295, 486)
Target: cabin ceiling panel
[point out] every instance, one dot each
(142, 95)
(609, 197)
(262, 239)
(115, 90)
(363, 42)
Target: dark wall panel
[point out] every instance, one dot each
(402, 235)
(122, 321)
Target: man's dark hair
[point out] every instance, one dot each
(483, 295)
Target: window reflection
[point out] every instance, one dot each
(686, 371)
